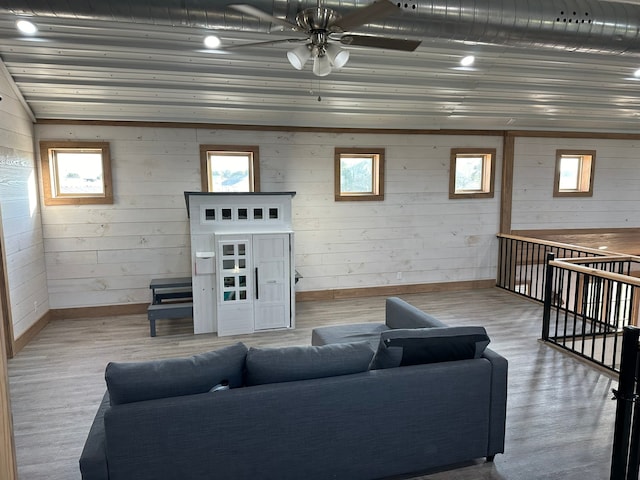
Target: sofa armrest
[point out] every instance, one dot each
(93, 460)
(498, 413)
(400, 314)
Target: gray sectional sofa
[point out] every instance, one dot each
(366, 401)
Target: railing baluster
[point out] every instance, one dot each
(591, 304)
(626, 399)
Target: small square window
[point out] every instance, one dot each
(574, 173)
(76, 173)
(359, 174)
(210, 214)
(273, 213)
(226, 214)
(471, 173)
(229, 168)
(257, 214)
(242, 214)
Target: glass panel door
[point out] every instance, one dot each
(234, 271)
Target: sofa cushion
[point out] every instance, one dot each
(138, 381)
(350, 333)
(400, 314)
(403, 347)
(288, 364)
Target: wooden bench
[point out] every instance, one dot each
(164, 293)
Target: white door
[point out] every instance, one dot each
(271, 260)
(235, 307)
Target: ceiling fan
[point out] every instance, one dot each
(324, 29)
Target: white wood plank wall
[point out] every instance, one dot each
(104, 255)
(20, 214)
(107, 254)
(101, 255)
(616, 191)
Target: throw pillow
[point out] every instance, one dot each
(398, 348)
(138, 381)
(288, 364)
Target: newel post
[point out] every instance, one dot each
(548, 294)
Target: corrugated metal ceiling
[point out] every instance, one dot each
(97, 69)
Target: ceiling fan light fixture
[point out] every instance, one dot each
(337, 56)
(299, 56)
(321, 66)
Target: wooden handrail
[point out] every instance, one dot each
(596, 273)
(595, 251)
(610, 258)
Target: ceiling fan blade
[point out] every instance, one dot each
(380, 42)
(264, 44)
(256, 12)
(362, 16)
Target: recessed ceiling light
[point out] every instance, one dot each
(212, 41)
(26, 27)
(467, 61)
(637, 73)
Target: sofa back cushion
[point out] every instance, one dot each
(400, 314)
(403, 347)
(288, 364)
(172, 377)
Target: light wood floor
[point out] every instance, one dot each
(560, 413)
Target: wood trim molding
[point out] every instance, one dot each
(563, 134)
(391, 290)
(31, 332)
(488, 174)
(576, 231)
(47, 155)
(379, 131)
(254, 166)
(268, 128)
(141, 308)
(506, 190)
(8, 465)
(5, 302)
(100, 311)
(378, 169)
